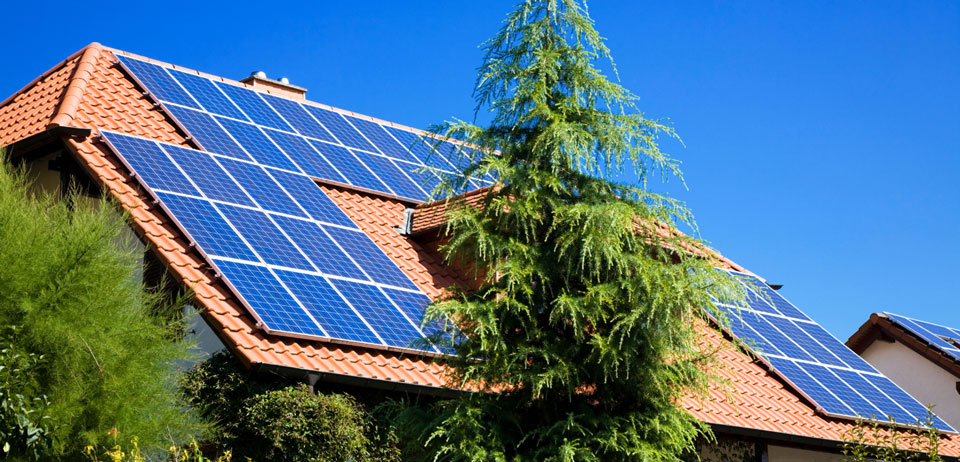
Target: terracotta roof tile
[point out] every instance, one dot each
(109, 100)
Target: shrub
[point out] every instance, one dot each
(266, 419)
(70, 278)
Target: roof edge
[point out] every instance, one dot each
(77, 86)
(880, 324)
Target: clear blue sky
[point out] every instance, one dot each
(822, 138)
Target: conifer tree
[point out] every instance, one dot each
(582, 335)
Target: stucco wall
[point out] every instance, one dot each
(921, 378)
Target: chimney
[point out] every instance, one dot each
(259, 81)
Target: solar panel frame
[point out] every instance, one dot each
(835, 384)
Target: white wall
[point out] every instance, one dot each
(788, 454)
(919, 376)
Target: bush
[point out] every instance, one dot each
(264, 419)
(70, 278)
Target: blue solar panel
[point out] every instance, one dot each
(304, 191)
(158, 81)
(265, 237)
(206, 93)
(208, 133)
(819, 365)
(146, 159)
(385, 143)
(257, 144)
(380, 313)
(280, 266)
(254, 107)
(206, 227)
(944, 338)
(328, 307)
(373, 261)
(350, 167)
(309, 160)
(390, 174)
(276, 307)
(413, 306)
(420, 148)
(319, 248)
(299, 118)
(262, 187)
(345, 133)
(208, 175)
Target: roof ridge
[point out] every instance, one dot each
(76, 86)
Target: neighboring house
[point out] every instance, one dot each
(114, 123)
(921, 357)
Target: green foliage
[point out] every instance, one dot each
(24, 431)
(872, 440)
(268, 420)
(69, 277)
(132, 453)
(582, 335)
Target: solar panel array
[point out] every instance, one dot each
(821, 367)
(946, 339)
(248, 125)
(298, 263)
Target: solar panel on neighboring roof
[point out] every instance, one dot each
(828, 373)
(946, 339)
(233, 121)
(300, 265)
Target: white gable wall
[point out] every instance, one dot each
(926, 381)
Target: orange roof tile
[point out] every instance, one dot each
(89, 90)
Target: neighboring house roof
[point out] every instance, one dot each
(882, 326)
(90, 91)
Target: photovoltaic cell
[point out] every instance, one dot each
(390, 174)
(299, 118)
(419, 148)
(373, 261)
(208, 175)
(328, 307)
(306, 193)
(276, 307)
(341, 129)
(207, 94)
(264, 190)
(351, 167)
(385, 143)
(158, 81)
(377, 310)
(257, 144)
(254, 107)
(319, 248)
(265, 237)
(818, 364)
(205, 226)
(943, 338)
(206, 130)
(148, 161)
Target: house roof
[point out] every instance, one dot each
(880, 327)
(89, 90)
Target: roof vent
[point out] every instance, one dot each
(258, 80)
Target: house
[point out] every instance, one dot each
(921, 357)
(114, 122)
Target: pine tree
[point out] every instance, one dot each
(582, 335)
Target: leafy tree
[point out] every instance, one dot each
(263, 418)
(582, 335)
(69, 278)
